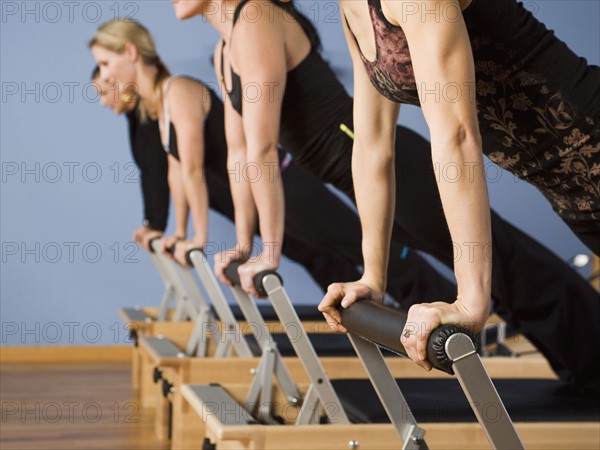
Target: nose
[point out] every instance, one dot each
(105, 74)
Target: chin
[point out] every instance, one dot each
(183, 10)
(183, 15)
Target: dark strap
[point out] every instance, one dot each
(238, 11)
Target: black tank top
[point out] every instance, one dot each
(315, 105)
(215, 146)
(538, 103)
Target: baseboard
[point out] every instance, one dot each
(71, 353)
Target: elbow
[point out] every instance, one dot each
(372, 154)
(460, 142)
(194, 172)
(262, 151)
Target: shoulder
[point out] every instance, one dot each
(187, 97)
(257, 17)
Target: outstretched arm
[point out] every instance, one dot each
(441, 55)
(259, 51)
(179, 203)
(374, 184)
(442, 60)
(245, 216)
(188, 106)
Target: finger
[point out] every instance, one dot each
(350, 297)
(332, 297)
(334, 324)
(246, 283)
(421, 351)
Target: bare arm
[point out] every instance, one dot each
(442, 60)
(179, 203)
(265, 70)
(441, 54)
(245, 215)
(374, 184)
(188, 112)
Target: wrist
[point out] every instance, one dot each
(199, 240)
(376, 283)
(179, 235)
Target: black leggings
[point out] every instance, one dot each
(588, 232)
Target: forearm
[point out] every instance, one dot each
(267, 191)
(197, 199)
(180, 205)
(374, 181)
(467, 210)
(243, 202)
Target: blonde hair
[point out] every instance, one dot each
(115, 34)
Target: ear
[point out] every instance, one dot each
(132, 51)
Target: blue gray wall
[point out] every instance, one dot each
(69, 199)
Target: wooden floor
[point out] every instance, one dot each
(72, 406)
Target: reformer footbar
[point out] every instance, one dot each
(453, 352)
(450, 348)
(271, 363)
(137, 315)
(320, 395)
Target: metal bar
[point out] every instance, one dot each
(182, 305)
(389, 393)
(263, 337)
(197, 300)
(304, 349)
(266, 377)
(310, 407)
(254, 392)
(481, 393)
(169, 293)
(163, 308)
(209, 281)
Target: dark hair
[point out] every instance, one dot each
(95, 72)
(303, 21)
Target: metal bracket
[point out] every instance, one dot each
(389, 393)
(481, 393)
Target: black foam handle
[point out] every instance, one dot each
(188, 254)
(151, 241)
(383, 325)
(231, 272)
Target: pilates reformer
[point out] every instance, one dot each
(175, 310)
(172, 360)
(229, 424)
(246, 368)
(174, 304)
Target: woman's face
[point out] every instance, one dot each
(112, 98)
(117, 69)
(184, 9)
